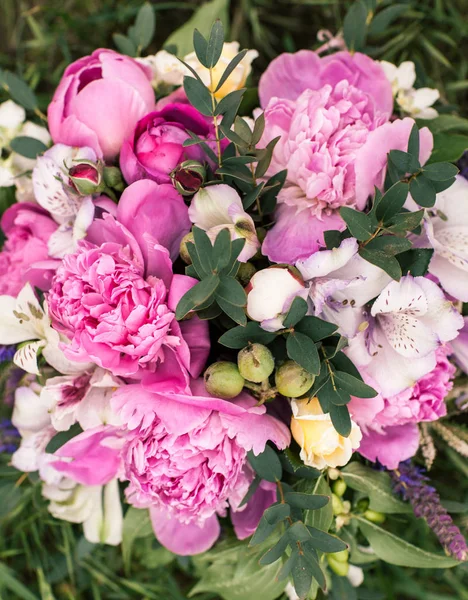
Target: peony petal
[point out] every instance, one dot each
(394, 446)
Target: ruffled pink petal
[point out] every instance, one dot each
(245, 521)
(394, 446)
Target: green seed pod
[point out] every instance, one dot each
(340, 568)
(223, 380)
(292, 380)
(339, 487)
(337, 505)
(374, 516)
(342, 556)
(245, 273)
(363, 504)
(184, 255)
(255, 362)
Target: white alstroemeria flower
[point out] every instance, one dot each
(24, 320)
(409, 320)
(218, 207)
(83, 398)
(97, 507)
(340, 283)
(417, 103)
(12, 116)
(165, 67)
(355, 576)
(73, 212)
(270, 294)
(446, 228)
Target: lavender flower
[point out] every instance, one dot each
(7, 353)
(9, 436)
(411, 484)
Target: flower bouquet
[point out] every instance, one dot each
(232, 324)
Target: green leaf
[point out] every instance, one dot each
(343, 363)
(323, 518)
(20, 91)
(267, 464)
(202, 20)
(306, 501)
(231, 291)
(405, 221)
(200, 272)
(445, 123)
(238, 337)
(215, 44)
(359, 224)
(396, 551)
(241, 579)
(230, 101)
(10, 582)
(302, 349)
(355, 387)
(448, 147)
(265, 157)
(332, 238)
(404, 162)
(392, 201)
(270, 519)
(200, 46)
(297, 311)
(27, 146)
(221, 250)
(301, 576)
(415, 261)
(62, 437)
(315, 328)
(197, 296)
(252, 196)
(198, 95)
(275, 552)
(390, 244)
(144, 26)
(204, 249)
(377, 486)
(380, 259)
(340, 419)
(413, 141)
(233, 311)
(354, 26)
(385, 17)
(230, 68)
(124, 44)
(251, 491)
(325, 542)
(440, 171)
(136, 525)
(294, 465)
(259, 128)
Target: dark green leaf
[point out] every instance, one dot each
(354, 26)
(390, 244)
(413, 141)
(271, 517)
(314, 567)
(265, 158)
(20, 91)
(302, 349)
(144, 26)
(200, 46)
(62, 437)
(259, 127)
(287, 566)
(301, 576)
(422, 191)
(238, 337)
(197, 296)
(229, 101)
(448, 147)
(252, 196)
(392, 201)
(405, 162)
(231, 291)
(198, 95)
(332, 238)
(221, 250)
(240, 172)
(341, 419)
(206, 314)
(340, 397)
(235, 312)
(204, 249)
(315, 328)
(344, 363)
(124, 44)
(195, 140)
(325, 542)
(251, 491)
(440, 171)
(234, 137)
(297, 311)
(326, 393)
(440, 186)
(388, 263)
(405, 221)
(275, 552)
(385, 17)
(415, 261)
(267, 464)
(354, 386)
(27, 146)
(230, 68)
(306, 501)
(215, 44)
(359, 224)
(294, 465)
(196, 263)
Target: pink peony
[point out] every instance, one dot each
(99, 101)
(186, 458)
(115, 298)
(25, 256)
(155, 148)
(389, 424)
(291, 74)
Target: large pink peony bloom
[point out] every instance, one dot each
(334, 154)
(115, 298)
(186, 459)
(25, 256)
(389, 425)
(291, 74)
(99, 101)
(155, 148)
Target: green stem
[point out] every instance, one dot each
(215, 120)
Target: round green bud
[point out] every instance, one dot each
(245, 273)
(363, 504)
(374, 516)
(337, 505)
(340, 568)
(339, 487)
(223, 380)
(184, 255)
(292, 380)
(255, 362)
(341, 556)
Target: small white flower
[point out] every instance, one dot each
(11, 118)
(355, 576)
(166, 68)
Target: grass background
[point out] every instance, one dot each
(41, 558)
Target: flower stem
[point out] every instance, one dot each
(215, 120)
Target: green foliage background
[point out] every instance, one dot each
(41, 558)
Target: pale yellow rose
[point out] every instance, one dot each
(236, 79)
(321, 445)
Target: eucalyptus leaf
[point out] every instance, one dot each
(215, 44)
(239, 337)
(359, 224)
(230, 68)
(355, 26)
(380, 259)
(302, 349)
(144, 26)
(197, 296)
(27, 146)
(340, 419)
(124, 44)
(267, 464)
(199, 96)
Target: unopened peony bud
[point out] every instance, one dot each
(340, 568)
(292, 380)
(374, 516)
(113, 178)
(339, 487)
(86, 178)
(223, 380)
(255, 362)
(188, 177)
(184, 255)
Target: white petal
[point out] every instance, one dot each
(441, 317)
(273, 291)
(326, 262)
(26, 357)
(402, 296)
(406, 75)
(13, 330)
(407, 335)
(61, 242)
(451, 278)
(424, 97)
(11, 115)
(84, 218)
(92, 526)
(112, 526)
(210, 205)
(57, 359)
(27, 457)
(30, 412)
(453, 203)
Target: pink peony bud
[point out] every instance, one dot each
(86, 178)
